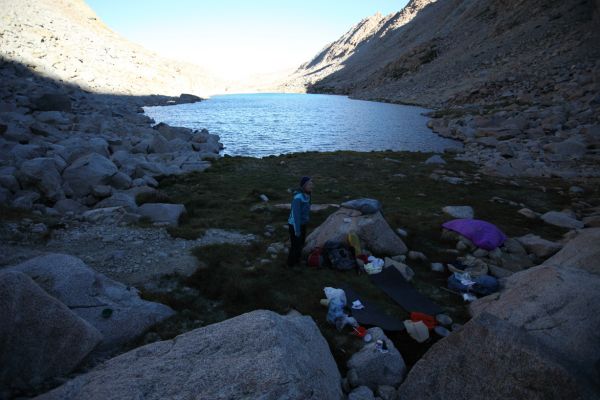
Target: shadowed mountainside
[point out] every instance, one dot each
(432, 50)
(517, 81)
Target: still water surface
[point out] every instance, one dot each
(259, 125)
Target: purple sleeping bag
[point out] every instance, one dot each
(483, 234)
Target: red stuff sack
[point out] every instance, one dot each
(315, 258)
(427, 319)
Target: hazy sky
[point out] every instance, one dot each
(236, 38)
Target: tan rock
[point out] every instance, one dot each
(258, 355)
(583, 252)
(373, 230)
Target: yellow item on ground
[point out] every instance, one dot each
(354, 241)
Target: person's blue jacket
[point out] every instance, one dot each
(300, 211)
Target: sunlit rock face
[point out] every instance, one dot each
(65, 40)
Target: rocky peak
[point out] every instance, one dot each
(66, 41)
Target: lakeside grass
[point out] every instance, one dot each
(237, 279)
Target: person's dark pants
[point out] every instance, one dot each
(297, 245)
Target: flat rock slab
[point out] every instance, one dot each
(259, 355)
(89, 294)
(460, 212)
(561, 219)
(40, 337)
(162, 212)
(222, 236)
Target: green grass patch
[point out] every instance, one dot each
(227, 196)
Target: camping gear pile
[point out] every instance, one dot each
(346, 308)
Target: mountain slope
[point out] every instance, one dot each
(65, 40)
(432, 50)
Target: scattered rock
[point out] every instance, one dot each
(119, 199)
(542, 248)
(437, 267)
(435, 159)
(526, 212)
(365, 206)
(461, 212)
(403, 233)
(386, 392)
(162, 213)
(479, 253)
(69, 206)
(221, 236)
(417, 256)
(561, 219)
(576, 190)
(361, 393)
(369, 367)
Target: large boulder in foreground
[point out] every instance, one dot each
(259, 355)
(40, 337)
(582, 252)
(537, 339)
(559, 307)
(374, 232)
(489, 358)
(116, 310)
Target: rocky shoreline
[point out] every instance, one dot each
(535, 128)
(65, 150)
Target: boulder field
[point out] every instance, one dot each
(66, 150)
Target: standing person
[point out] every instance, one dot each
(299, 216)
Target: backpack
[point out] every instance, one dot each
(340, 256)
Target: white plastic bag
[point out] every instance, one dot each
(333, 293)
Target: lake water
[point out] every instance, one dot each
(259, 125)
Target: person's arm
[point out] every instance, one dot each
(297, 213)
